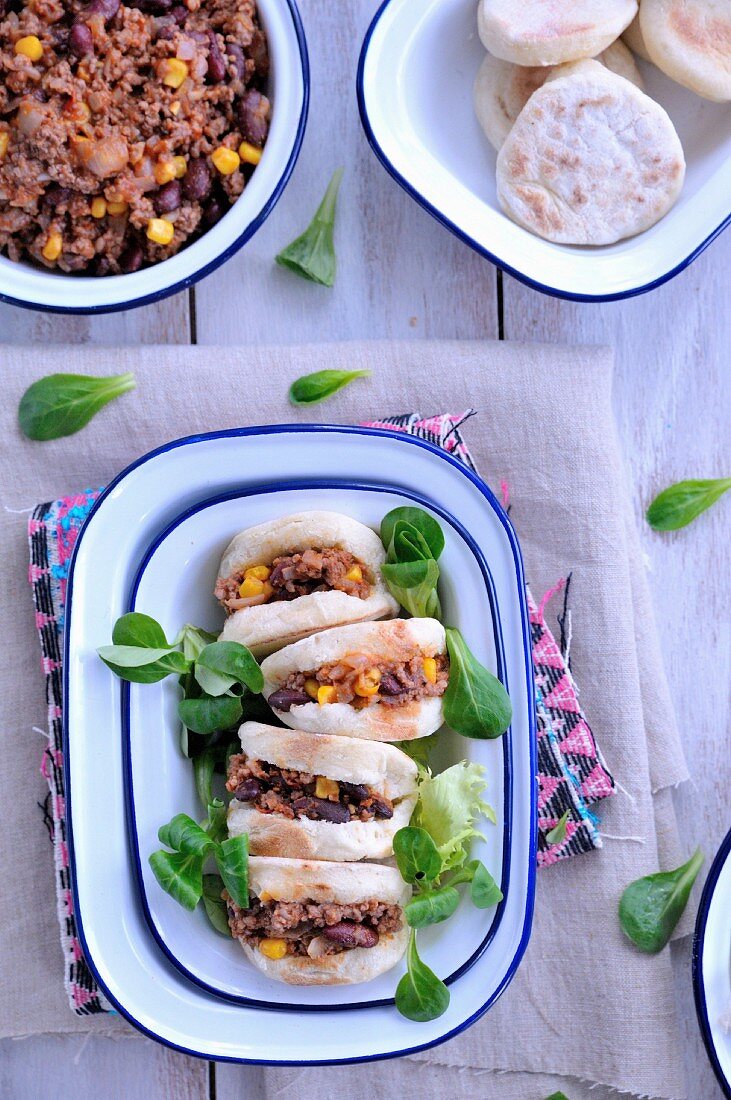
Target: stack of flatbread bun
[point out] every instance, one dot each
(322, 799)
(585, 157)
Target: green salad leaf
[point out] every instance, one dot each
(428, 528)
(557, 834)
(432, 907)
(214, 904)
(420, 994)
(414, 585)
(62, 404)
(209, 713)
(220, 665)
(413, 541)
(232, 857)
(651, 907)
(484, 891)
(312, 255)
(680, 504)
(180, 875)
(417, 856)
(475, 703)
(448, 808)
(136, 629)
(180, 872)
(310, 389)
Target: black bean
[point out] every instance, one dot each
(253, 115)
(2, 8)
(389, 685)
(132, 258)
(259, 53)
(106, 8)
(197, 181)
(248, 790)
(354, 792)
(381, 807)
(321, 809)
(285, 698)
(236, 57)
(168, 198)
(349, 934)
(151, 7)
(179, 14)
(166, 32)
(214, 210)
(216, 65)
(55, 195)
(81, 41)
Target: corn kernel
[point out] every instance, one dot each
(53, 247)
(116, 208)
(265, 896)
(354, 574)
(82, 71)
(368, 682)
(251, 586)
(225, 160)
(326, 693)
(273, 949)
(174, 72)
(249, 153)
(4, 142)
(164, 171)
(312, 687)
(98, 207)
(429, 667)
(175, 107)
(160, 230)
(30, 46)
(324, 788)
(261, 572)
(181, 165)
(83, 112)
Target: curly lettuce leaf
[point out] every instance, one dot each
(448, 808)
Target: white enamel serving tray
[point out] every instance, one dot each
(417, 67)
(153, 541)
(712, 965)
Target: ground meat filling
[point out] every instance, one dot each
(121, 126)
(362, 680)
(300, 574)
(294, 794)
(334, 927)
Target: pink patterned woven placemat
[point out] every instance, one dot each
(572, 774)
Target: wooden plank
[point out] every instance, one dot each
(166, 322)
(672, 396)
(400, 274)
(89, 1067)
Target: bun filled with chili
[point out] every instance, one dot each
(381, 680)
(288, 578)
(316, 923)
(316, 796)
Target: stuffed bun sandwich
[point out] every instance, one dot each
(290, 577)
(381, 680)
(315, 796)
(316, 923)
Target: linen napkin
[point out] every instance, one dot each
(545, 426)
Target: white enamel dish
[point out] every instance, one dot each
(712, 965)
(23, 284)
(150, 517)
(417, 68)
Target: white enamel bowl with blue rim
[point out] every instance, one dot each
(153, 541)
(712, 965)
(417, 68)
(25, 284)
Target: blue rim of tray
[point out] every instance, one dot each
(566, 295)
(246, 234)
(506, 740)
(483, 488)
(723, 853)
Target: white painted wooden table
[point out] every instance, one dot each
(402, 276)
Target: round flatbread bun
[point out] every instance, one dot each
(384, 768)
(267, 627)
(633, 37)
(502, 89)
(389, 641)
(346, 883)
(690, 40)
(550, 32)
(591, 159)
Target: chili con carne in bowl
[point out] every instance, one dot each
(142, 142)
